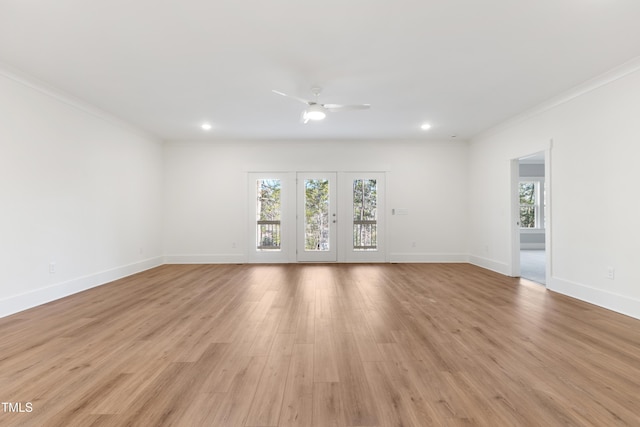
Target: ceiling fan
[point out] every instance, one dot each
(317, 111)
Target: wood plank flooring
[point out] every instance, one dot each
(320, 345)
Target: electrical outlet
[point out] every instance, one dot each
(611, 273)
(233, 245)
(413, 244)
(52, 267)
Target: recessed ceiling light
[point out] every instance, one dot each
(425, 126)
(206, 126)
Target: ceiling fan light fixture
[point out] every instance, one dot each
(425, 126)
(315, 112)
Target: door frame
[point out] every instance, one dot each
(290, 218)
(514, 214)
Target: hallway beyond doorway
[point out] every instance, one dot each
(532, 265)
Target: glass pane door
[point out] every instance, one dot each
(365, 221)
(317, 217)
(272, 216)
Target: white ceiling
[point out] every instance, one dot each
(534, 159)
(462, 65)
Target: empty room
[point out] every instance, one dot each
(345, 213)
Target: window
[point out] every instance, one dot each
(531, 193)
(268, 212)
(365, 215)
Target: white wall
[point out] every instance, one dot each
(206, 193)
(77, 189)
(594, 197)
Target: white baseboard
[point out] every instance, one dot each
(490, 264)
(206, 259)
(24, 301)
(427, 257)
(618, 303)
(17, 303)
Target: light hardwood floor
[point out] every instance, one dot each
(321, 345)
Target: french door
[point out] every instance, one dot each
(363, 219)
(316, 217)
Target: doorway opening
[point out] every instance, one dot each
(530, 208)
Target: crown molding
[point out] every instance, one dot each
(33, 83)
(590, 85)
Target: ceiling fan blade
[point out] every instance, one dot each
(304, 101)
(303, 118)
(339, 107)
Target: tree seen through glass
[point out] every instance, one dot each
(316, 208)
(268, 211)
(365, 204)
(527, 192)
